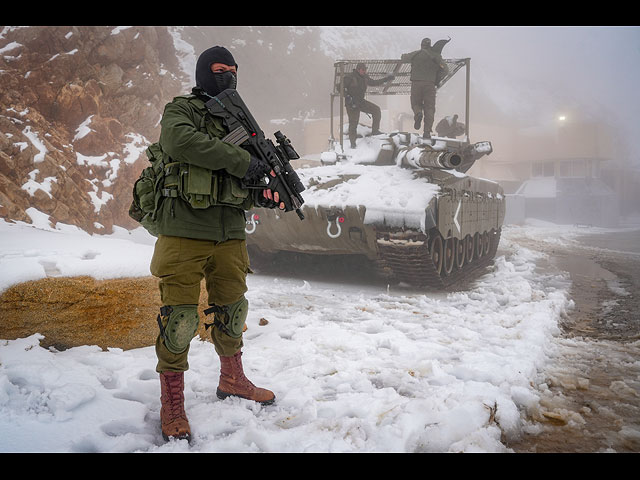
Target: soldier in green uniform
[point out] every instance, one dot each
(355, 89)
(201, 234)
(426, 69)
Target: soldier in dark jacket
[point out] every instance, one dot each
(201, 234)
(355, 86)
(427, 68)
(450, 127)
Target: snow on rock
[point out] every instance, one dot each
(37, 143)
(83, 129)
(26, 251)
(32, 185)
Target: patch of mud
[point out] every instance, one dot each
(589, 394)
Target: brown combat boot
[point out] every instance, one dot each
(234, 383)
(172, 415)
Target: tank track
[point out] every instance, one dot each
(409, 260)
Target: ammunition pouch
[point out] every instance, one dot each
(199, 186)
(147, 191)
(178, 325)
(229, 318)
(202, 188)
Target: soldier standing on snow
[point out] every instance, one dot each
(204, 239)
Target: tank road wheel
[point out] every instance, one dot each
(477, 242)
(449, 255)
(486, 243)
(459, 248)
(469, 248)
(437, 253)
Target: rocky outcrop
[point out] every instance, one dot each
(78, 105)
(74, 311)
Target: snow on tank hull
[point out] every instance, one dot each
(425, 226)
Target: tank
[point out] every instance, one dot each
(403, 203)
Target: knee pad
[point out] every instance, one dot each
(238, 312)
(180, 326)
(231, 318)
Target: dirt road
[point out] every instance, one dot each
(590, 392)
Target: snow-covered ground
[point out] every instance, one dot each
(355, 368)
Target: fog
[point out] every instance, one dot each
(526, 75)
(591, 68)
(522, 80)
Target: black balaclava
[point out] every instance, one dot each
(215, 83)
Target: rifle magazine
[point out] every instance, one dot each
(237, 136)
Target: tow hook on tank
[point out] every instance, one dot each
(252, 223)
(337, 218)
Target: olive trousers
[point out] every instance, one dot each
(180, 265)
(354, 118)
(423, 101)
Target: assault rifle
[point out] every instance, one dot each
(245, 132)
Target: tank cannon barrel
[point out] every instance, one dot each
(436, 159)
(461, 159)
(420, 158)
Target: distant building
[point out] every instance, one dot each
(566, 173)
(570, 192)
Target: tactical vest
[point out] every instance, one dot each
(168, 179)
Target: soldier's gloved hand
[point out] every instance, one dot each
(268, 198)
(256, 171)
(261, 200)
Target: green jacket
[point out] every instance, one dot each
(356, 85)
(203, 164)
(426, 65)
